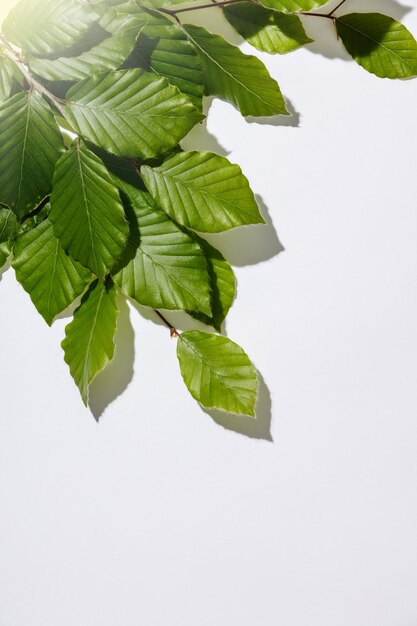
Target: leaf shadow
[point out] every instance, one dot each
(259, 428)
(249, 245)
(115, 379)
(322, 31)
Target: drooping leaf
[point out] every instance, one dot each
(379, 44)
(116, 45)
(217, 372)
(203, 191)
(51, 278)
(47, 26)
(238, 78)
(30, 145)
(293, 6)
(163, 267)
(89, 339)
(222, 286)
(87, 212)
(130, 113)
(163, 48)
(266, 30)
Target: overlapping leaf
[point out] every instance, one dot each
(163, 48)
(8, 231)
(222, 286)
(266, 30)
(217, 372)
(51, 278)
(203, 191)
(87, 212)
(379, 44)
(89, 339)
(163, 267)
(7, 75)
(130, 113)
(47, 26)
(239, 79)
(118, 36)
(30, 145)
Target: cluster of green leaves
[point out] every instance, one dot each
(96, 194)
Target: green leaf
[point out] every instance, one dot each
(293, 6)
(164, 49)
(8, 225)
(130, 113)
(379, 44)
(7, 76)
(222, 286)
(203, 191)
(235, 77)
(87, 212)
(217, 372)
(47, 26)
(89, 339)
(30, 145)
(269, 31)
(108, 54)
(51, 278)
(163, 267)
(5, 249)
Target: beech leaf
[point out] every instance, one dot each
(217, 372)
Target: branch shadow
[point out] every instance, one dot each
(115, 379)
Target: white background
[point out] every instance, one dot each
(160, 515)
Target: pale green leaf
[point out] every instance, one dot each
(163, 267)
(379, 44)
(87, 212)
(7, 75)
(51, 278)
(89, 339)
(222, 286)
(203, 191)
(30, 145)
(266, 30)
(116, 45)
(47, 26)
(130, 113)
(217, 372)
(238, 78)
(293, 6)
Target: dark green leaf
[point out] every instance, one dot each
(87, 212)
(30, 145)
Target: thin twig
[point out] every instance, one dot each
(337, 7)
(173, 331)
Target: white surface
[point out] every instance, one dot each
(159, 516)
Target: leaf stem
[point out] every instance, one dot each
(173, 331)
(336, 7)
